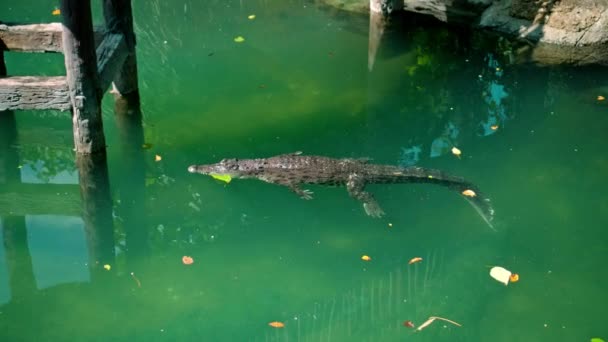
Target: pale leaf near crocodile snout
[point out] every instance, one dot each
(221, 177)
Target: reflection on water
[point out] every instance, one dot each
(260, 253)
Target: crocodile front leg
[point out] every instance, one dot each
(355, 187)
(303, 193)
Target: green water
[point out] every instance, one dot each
(300, 82)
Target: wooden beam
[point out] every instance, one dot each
(37, 37)
(82, 77)
(40, 199)
(27, 92)
(31, 38)
(111, 55)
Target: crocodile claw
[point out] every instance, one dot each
(373, 209)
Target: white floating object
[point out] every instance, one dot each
(501, 274)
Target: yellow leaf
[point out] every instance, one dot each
(239, 39)
(494, 127)
(157, 158)
(600, 98)
(414, 260)
(223, 178)
(276, 324)
(107, 267)
(56, 11)
(366, 258)
(251, 17)
(456, 151)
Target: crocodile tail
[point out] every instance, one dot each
(470, 192)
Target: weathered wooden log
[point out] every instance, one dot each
(119, 19)
(31, 38)
(37, 37)
(82, 78)
(111, 55)
(27, 92)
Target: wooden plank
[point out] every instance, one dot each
(82, 77)
(111, 55)
(27, 92)
(31, 38)
(37, 37)
(40, 199)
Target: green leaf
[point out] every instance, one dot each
(596, 339)
(223, 178)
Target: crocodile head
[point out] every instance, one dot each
(231, 167)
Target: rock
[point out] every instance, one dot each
(573, 32)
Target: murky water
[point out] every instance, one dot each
(532, 138)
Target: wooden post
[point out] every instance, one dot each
(97, 209)
(81, 71)
(119, 19)
(380, 12)
(22, 281)
(2, 64)
(131, 184)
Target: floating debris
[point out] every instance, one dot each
(107, 267)
(600, 98)
(408, 324)
(433, 319)
(514, 278)
(56, 11)
(251, 17)
(414, 260)
(494, 127)
(501, 274)
(187, 260)
(366, 258)
(239, 39)
(136, 280)
(157, 158)
(456, 151)
(277, 324)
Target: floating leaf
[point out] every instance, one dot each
(56, 11)
(469, 193)
(596, 339)
(276, 324)
(514, 278)
(501, 274)
(600, 98)
(221, 177)
(107, 267)
(251, 17)
(414, 260)
(390, 225)
(494, 127)
(187, 260)
(456, 151)
(239, 39)
(366, 258)
(157, 158)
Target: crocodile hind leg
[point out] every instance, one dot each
(355, 187)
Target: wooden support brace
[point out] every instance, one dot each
(111, 55)
(27, 92)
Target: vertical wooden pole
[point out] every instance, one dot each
(119, 19)
(22, 281)
(2, 64)
(131, 184)
(82, 78)
(380, 12)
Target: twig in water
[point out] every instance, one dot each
(432, 319)
(136, 280)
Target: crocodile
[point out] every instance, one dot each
(293, 169)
